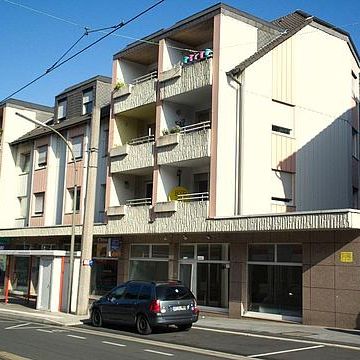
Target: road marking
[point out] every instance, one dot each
(43, 330)
(270, 337)
(286, 351)
(159, 352)
(111, 343)
(17, 326)
(77, 337)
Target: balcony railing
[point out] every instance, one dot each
(142, 140)
(138, 202)
(146, 77)
(202, 196)
(195, 127)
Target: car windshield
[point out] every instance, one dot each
(166, 292)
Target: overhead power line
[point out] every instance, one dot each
(59, 63)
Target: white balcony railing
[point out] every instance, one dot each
(138, 202)
(142, 140)
(202, 196)
(146, 77)
(195, 127)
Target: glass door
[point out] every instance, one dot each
(187, 274)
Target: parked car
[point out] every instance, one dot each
(147, 304)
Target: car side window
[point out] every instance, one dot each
(132, 291)
(145, 292)
(118, 293)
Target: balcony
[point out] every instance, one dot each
(123, 210)
(191, 142)
(136, 154)
(188, 78)
(141, 91)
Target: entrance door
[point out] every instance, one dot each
(46, 264)
(187, 275)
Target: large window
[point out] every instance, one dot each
(61, 110)
(39, 203)
(25, 162)
(103, 276)
(149, 262)
(275, 279)
(87, 101)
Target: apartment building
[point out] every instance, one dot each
(233, 150)
(233, 166)
(43, 171)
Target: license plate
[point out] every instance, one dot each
(179, 308)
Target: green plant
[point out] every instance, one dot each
(175, 129)
(165, 132)
(119, 85)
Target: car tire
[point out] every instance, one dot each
(142, 325)
(96, 318)
(184, 327)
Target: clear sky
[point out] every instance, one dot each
(32, 40)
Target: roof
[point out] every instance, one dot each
(198, 17)
(101, 78)
(291, 24)
(26, 104)
(41, 131)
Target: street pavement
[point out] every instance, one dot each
(46, 336)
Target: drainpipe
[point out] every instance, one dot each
(239, 145)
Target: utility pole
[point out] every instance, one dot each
(88, 224)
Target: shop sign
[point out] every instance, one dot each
(176, 191)
(346, 257)
(115, 248)
(197, 56)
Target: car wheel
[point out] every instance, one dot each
(142, 325)
(184, 327)
(96, 318)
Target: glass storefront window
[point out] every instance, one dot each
(291, 253)
(21, 274)
(2, 272)
(160, 251)
(103, 276)
(261, 252)
(187, 252)
(140, 251)
(148, 270)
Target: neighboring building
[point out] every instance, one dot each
(44, 175)
(233, 166)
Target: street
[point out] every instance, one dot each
(38, 341)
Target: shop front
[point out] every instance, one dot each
(2, 273)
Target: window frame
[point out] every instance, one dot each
(70, 200)
(85, 110)
(44, 163)
(62, 104)
(81, 143)
(37, 196)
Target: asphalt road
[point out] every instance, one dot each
(38, 341)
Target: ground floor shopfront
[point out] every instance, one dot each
(311, 277)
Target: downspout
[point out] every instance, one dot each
(239, 145)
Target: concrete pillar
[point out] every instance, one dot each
(123, 263)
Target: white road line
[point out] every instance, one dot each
(77, 337)
(43, 330)
(111, 343)
(159, 352)
(17, 326)
(286, 351)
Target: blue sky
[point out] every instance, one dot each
(32, 41)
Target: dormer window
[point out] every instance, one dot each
(87, 101)
(61, 113)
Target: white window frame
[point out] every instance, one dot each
(75, 142)
(44, 163)
(37, 211)
(22, 162)
(23, 207)
(62, 109)
(70, 200)
(87, 98)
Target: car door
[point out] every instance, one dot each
(127, 310)
(112, 303)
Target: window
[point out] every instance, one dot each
(22, 206)
(87, 101)
(118, 293)
(282, 187)
(70, 202)
(39, 203)
(201, 182)
(103, 276)
(355, 198)
(42, 156)
(61, 111)
(148, 190)
(355, 143)
(77, 146)
(281, 129)
(25, 162)
(132, 291)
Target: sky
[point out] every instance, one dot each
(34, 34)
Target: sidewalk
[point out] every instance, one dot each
(244, 325)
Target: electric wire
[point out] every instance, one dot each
(58, 64)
